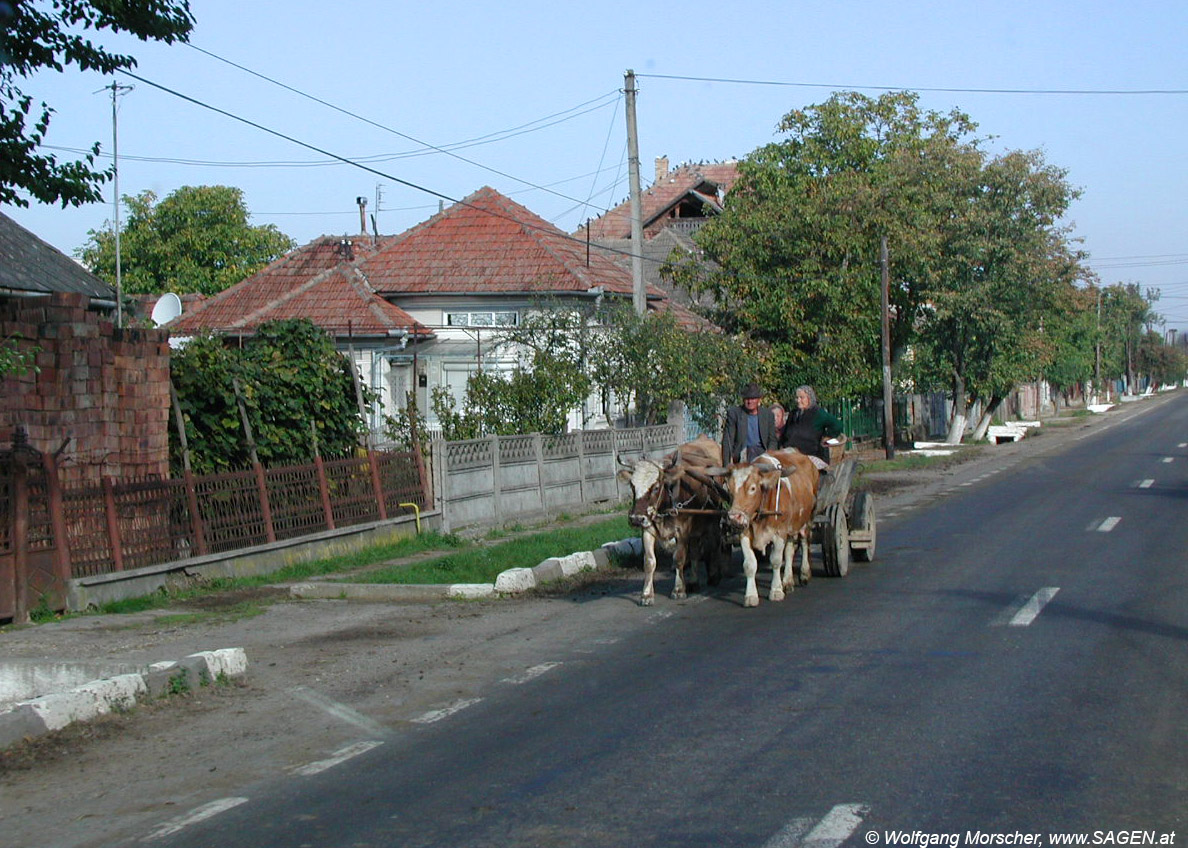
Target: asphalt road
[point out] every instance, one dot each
(1013, 667)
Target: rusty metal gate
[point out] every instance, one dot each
(34, 565)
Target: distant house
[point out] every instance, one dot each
(451, 283)
(323, 283)
(673, 208)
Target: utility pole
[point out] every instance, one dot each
(888, 398)
(639, 298)
(115, 171)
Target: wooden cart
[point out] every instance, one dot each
(843, 523)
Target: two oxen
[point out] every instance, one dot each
(696, 509)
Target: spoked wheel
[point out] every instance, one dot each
(863, 535)
(835, 542)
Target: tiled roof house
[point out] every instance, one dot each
(449, 283)
(673, 208)
(476, 265)
(321, 281)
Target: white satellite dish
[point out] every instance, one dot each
(168, 307)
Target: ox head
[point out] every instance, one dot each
(748, 485)
(646, 477)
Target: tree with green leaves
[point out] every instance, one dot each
(649, 362)
(296, 388)
(196, 240)
(37, 36)
(797, 248)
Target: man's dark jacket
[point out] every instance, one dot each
(734, 434)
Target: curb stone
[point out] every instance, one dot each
(38, 716)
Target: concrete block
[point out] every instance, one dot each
(515, 580)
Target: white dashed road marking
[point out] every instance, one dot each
(337, 758)
(1168, 459)
(831, 831)
(445, 712)
(532, 673)
(1145, 484)
(1032, 608)
(1107, 525)
(202, 813)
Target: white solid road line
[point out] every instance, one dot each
(1032, 608)
(202, 813)
(337, 758)
(831, 831)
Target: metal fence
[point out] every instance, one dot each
(132, 524)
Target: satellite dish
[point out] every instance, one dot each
(168, 307)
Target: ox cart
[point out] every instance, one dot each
(843, 523)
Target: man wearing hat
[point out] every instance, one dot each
(750, 428)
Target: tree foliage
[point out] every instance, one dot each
(649, 362)
(37, 36)
(197, 239)
(976, 252)
(294, 386)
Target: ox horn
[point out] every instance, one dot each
(715, 471)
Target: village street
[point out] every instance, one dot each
(972, 677)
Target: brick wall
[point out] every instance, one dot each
(106, 388)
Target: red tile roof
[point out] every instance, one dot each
(489, 244)
(699, 181)
(318, 281)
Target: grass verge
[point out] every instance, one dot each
(482, 563)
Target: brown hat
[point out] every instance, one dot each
(752, 390)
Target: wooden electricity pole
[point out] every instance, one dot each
(888, 398)
(639, 297)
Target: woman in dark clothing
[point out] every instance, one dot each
(809, 425)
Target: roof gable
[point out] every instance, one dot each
(698, 185)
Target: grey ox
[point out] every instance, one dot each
(678, 506)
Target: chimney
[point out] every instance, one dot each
(661, 167)
(362, 201)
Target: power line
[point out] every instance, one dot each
(1045, 91)
(555, 232)
(389, 129)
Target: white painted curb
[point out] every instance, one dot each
(38, 716)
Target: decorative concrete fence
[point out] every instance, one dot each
(489, 481)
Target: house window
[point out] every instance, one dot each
(482, 319)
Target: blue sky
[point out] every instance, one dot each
(526, 97)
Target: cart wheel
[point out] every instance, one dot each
(835, 542)
(863, 533)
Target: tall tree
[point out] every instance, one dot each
(197, 239)
(37, 36)
(797, 248)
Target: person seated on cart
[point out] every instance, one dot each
(809, 426)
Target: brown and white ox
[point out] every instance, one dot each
(771, 504)
(678, 506)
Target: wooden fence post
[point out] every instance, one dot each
(376, 485)
(195, 514)
(113, 524)
(20, 540)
